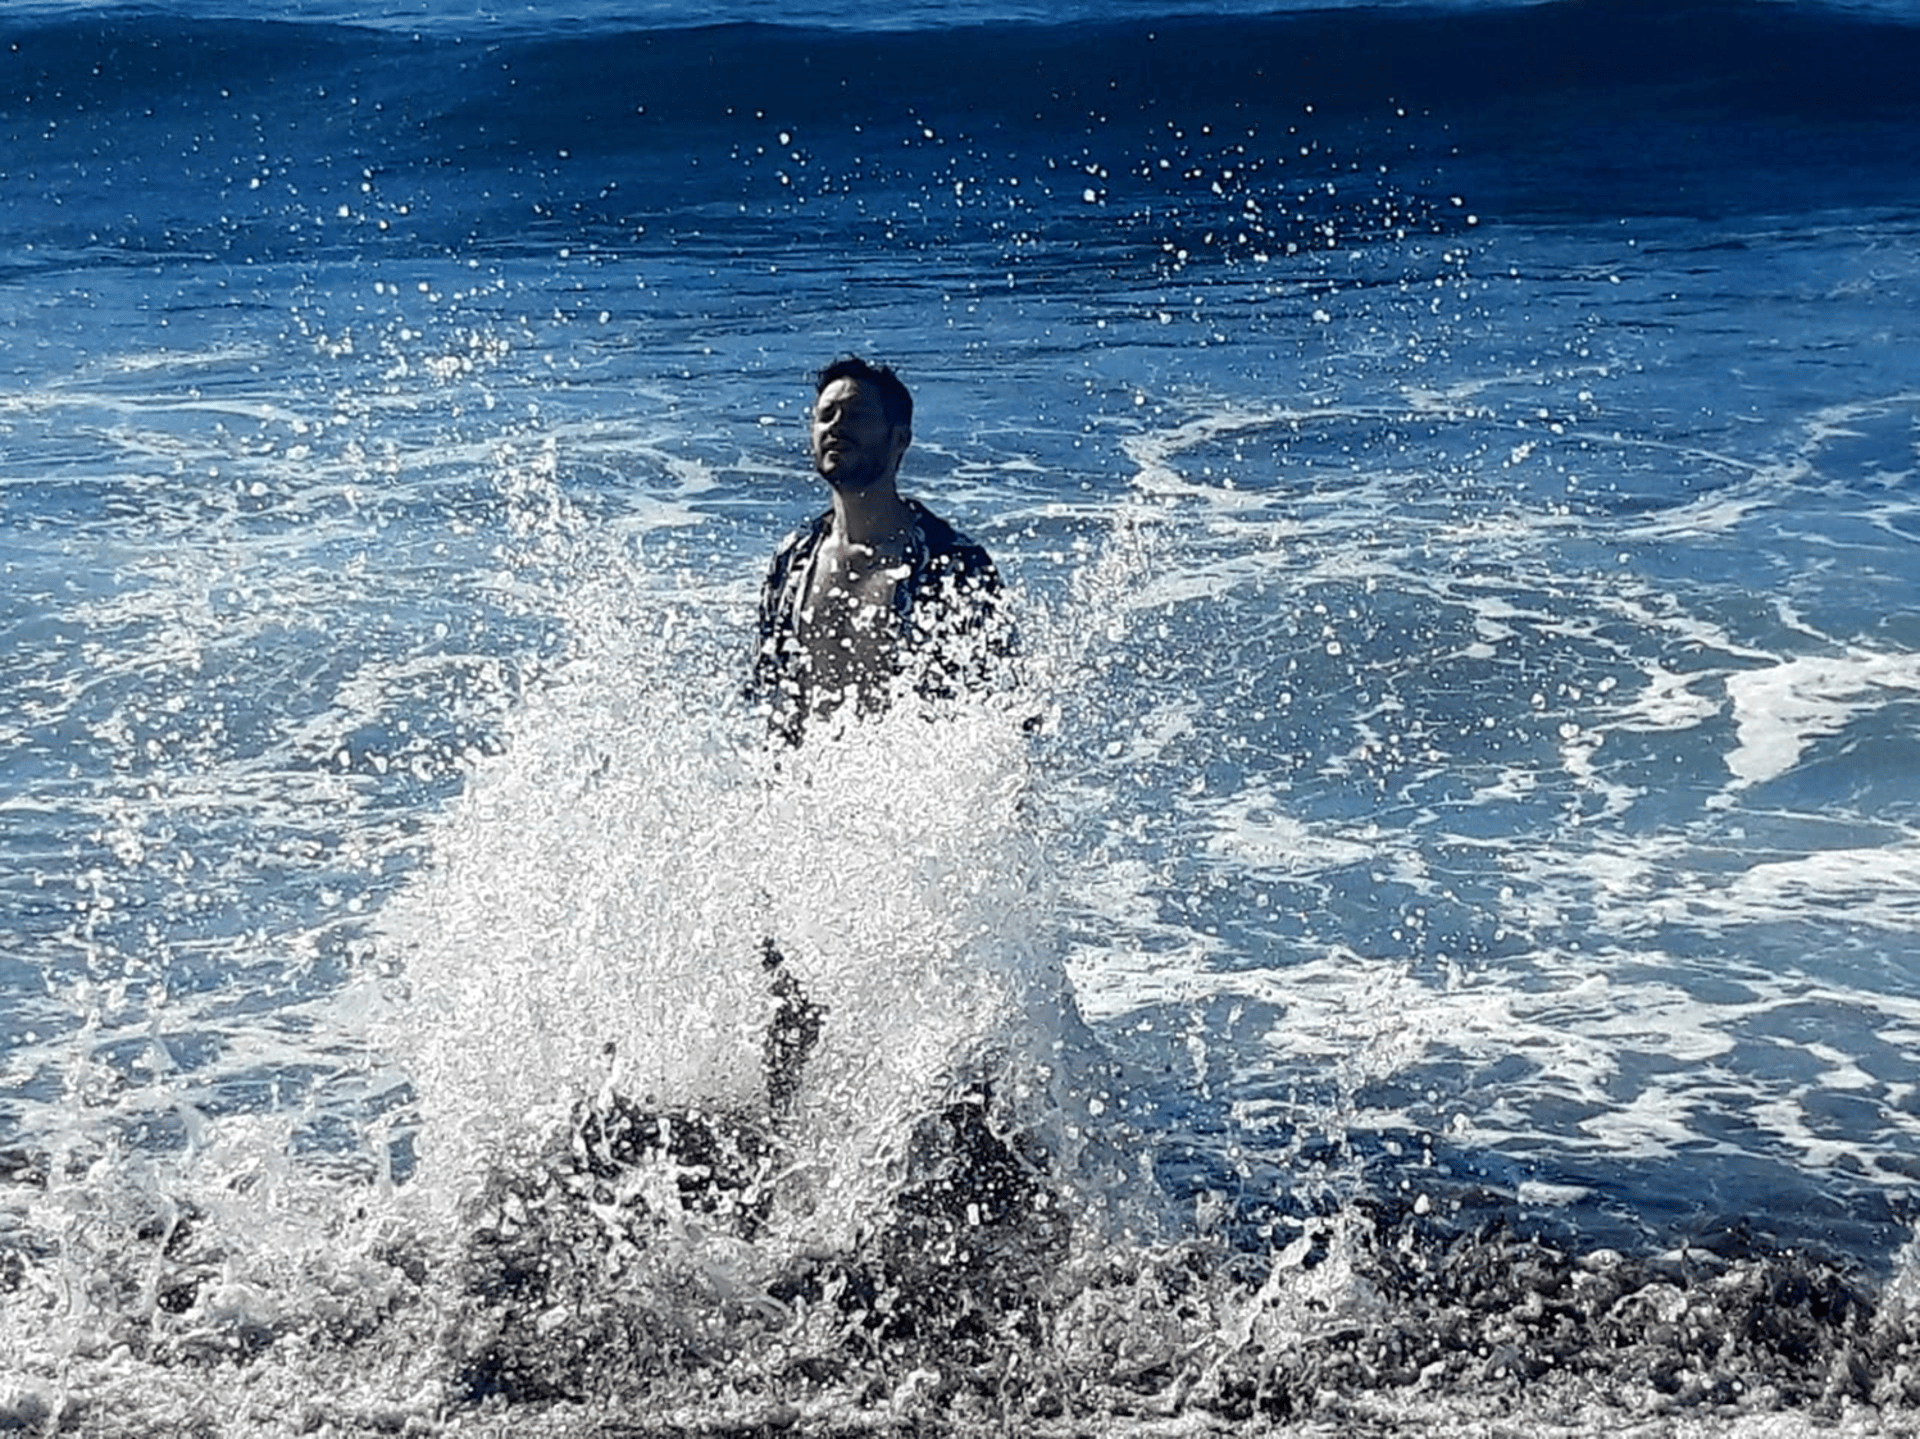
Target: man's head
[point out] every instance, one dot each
(862, 424)
(893, 395)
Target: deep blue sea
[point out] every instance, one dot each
(1440, 926)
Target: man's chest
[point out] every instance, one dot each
(843, 600)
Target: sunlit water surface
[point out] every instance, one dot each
(1436, 924)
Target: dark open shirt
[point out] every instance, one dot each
(947, 617)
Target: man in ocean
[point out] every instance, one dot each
(878, 591)
(875, 599)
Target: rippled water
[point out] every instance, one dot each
(1442, 959)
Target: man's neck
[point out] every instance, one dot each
(876, 519)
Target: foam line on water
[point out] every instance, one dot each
(1782, 709)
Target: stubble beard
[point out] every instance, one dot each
(853, 474)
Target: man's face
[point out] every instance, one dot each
(854, 448)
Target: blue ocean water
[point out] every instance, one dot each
(1450, 937)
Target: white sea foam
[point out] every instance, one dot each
(1254, 832)
(1781, 710)
(599, 898)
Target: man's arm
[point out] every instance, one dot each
(773, 630)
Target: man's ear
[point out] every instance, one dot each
(902, 437)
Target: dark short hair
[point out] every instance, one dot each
(895, 403)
